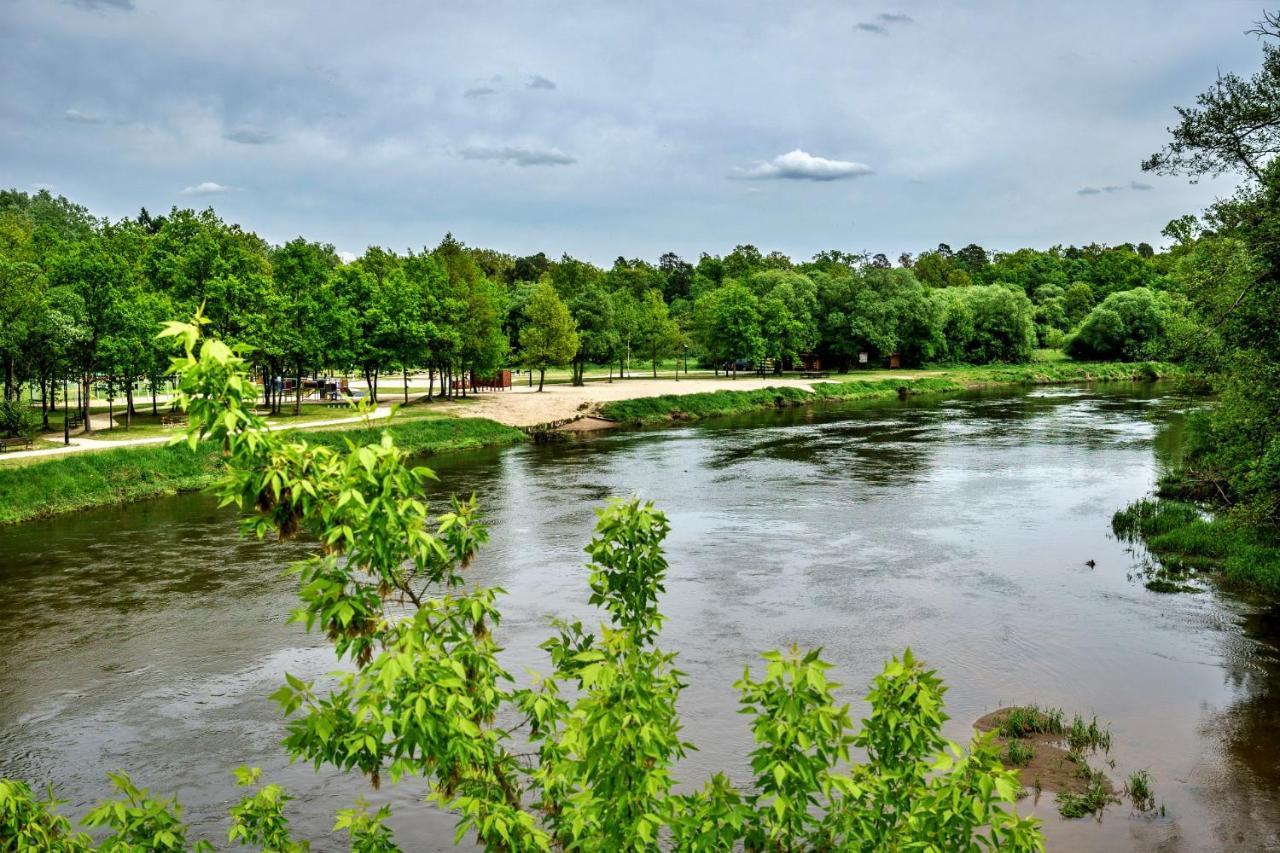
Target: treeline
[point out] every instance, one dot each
(82, 296)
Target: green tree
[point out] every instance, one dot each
(598, 339)
(549, 338)
(657, 335)
(728, 320)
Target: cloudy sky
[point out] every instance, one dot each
(606, 127)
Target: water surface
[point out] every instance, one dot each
(147, 637)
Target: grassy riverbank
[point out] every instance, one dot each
(1186, 539)
(730, 402)
(101, 478)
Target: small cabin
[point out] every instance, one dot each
(810, 362)
(895, 361)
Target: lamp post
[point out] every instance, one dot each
(686, 359)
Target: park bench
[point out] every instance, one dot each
(171, 420)
(74, 421)
(7, 444)
(814, 374)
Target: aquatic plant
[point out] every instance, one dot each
(1025, 720)
(1081, 736)
(1019, 753)
(1138, 788)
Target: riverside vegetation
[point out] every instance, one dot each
(1220, 509)
(584, 757)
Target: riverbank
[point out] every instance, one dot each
(84, 480)
(1187, 541)
(67, 483)
(668, 407)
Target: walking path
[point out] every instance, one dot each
(81, 443)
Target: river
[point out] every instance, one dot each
(147, 637)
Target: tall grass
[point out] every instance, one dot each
(101, 478)
(729, 402)
(1182, 536)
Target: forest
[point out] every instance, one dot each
(81, 296)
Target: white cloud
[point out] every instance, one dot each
(206, 188)
(347, 257)
(81, 117)
(519, 156)
(800, 165)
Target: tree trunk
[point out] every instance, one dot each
(542, 374)
(297, 393)
(128, 405)
(431, 382)
(406, 384)
(88, 391)
(154, 407)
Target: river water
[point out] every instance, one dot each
(147, 637)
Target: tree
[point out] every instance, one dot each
(729, 326)
(657, 335)
(549, 338)
(1235, 124)
(598, 338)
(1127, 325)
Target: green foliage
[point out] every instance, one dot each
(258, 820)
(1129, 325)
(1088, 737)
(1019, 753)
(1025, 720)
(1092, 800)
(550, 338)
(367, 830)
(28, 823)
(136, 821)
(715, 403)
(18, 418)
(1140, 790)
(1182, 535)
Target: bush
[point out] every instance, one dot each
(1127, 326)
(18, 418)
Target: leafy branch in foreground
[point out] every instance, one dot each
(584, 757)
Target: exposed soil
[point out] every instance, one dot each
(590, 423)
(1051, 768)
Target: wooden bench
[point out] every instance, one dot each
(814, 374)
(16, 441)
(173, 420)
(74, 421)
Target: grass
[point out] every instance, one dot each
(1025, 720)
(1092, 800)
(101, 478)
(1184, 538)
(1091, 736)
(1140, 791)
(728, 402)
(1019, 753)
